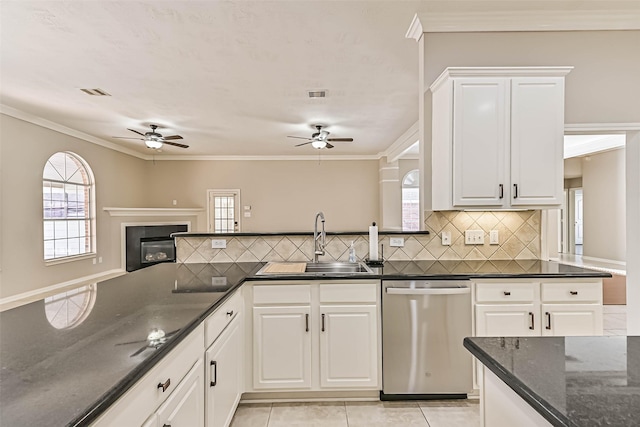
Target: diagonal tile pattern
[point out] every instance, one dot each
(519, 234)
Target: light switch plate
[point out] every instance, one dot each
(396, 242)
(493, 237)
(446, 238)
(218, 243)
(474, 237)
(218, 281)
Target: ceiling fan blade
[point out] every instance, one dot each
(175, 144)
(131, 342)
(329, 145)
(135, 131)
(169, 138)
(126, 137)
(340, 139)
(298, 137)
(304, 143)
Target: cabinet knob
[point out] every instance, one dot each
(230, 313)
(507, 293)
(573, 292)
(164, 386)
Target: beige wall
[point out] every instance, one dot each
(283, 195)
(24, 149)
(604, 193)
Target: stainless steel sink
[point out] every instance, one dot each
(325, 268)
(337, 267)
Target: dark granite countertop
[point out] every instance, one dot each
(68, 376)
(72, 374)
(570, 381)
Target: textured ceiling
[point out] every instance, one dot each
(230, 77)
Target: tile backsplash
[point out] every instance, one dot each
(519, 235)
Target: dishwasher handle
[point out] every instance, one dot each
(428, 291)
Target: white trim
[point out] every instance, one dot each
(403, 143)
(455, 72)
(123, 235)
(35, 295)
(153, 211)
(70, 258)
(213, 191)
(550, 19)
(389, 168)
(31, 118)
(601, 127)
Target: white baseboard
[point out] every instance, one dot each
(37, 294)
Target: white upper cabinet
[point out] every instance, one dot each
(497, 138)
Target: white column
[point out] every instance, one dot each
(633, 232)
(390, 196)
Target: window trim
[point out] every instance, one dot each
(92, 253)
(402, 199)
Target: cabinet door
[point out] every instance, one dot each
(281, 347)
(537, 141)
(185, 406)
(513, 320)
(480, 141)
(224, 375)
(571, 319)
(348, 346)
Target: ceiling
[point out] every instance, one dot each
(231, 77)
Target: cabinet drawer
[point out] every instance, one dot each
(141, 400)
(352, 292)
(572, 292)
(282, 294)
(220, 318)
(506, 292)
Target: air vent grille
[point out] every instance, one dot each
(95, 92)
(317, 93)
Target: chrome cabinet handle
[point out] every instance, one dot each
(306, 320)
(531, 320)
(573, 292)
(214, 365)
(164, 386)
(323, 323)
(515, 191)
(501, 191)
(548, 320)
(507, 293)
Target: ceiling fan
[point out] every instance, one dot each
(320, 139)
(154, 139)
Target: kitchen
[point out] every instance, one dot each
(596, 93)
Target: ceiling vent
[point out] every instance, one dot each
(317, 94)
(95, 92)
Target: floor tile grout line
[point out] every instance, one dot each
(424, 415)
(269, 417)
(346, 414)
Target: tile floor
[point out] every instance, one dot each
(437, 413)
(443, 413)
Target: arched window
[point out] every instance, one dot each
(68, 206)
(411, 201)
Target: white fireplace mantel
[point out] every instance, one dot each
(149, 212)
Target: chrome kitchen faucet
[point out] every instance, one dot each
(318, 247)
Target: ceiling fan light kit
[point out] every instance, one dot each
(152, 143)
(154, 139)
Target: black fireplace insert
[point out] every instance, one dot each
(151, 244)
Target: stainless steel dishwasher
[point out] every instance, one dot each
(423, 325)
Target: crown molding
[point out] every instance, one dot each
(31, 118)
(310, 158)
(601, 127)
(453, 72)
(550, 19)
(402, 144)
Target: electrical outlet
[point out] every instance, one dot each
(174, 202)
(219, 244)
(474, 237)
(247, 214)
(396, 242)
(218, 281)
(446, 238)
(493, 237)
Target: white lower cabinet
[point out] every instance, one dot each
(185, 406)
(313, 337)
(282, 347)
(224, 375)
(348, 342)
(510, 308)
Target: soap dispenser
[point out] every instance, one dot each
(352, 253)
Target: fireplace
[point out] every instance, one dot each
(147, 245)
